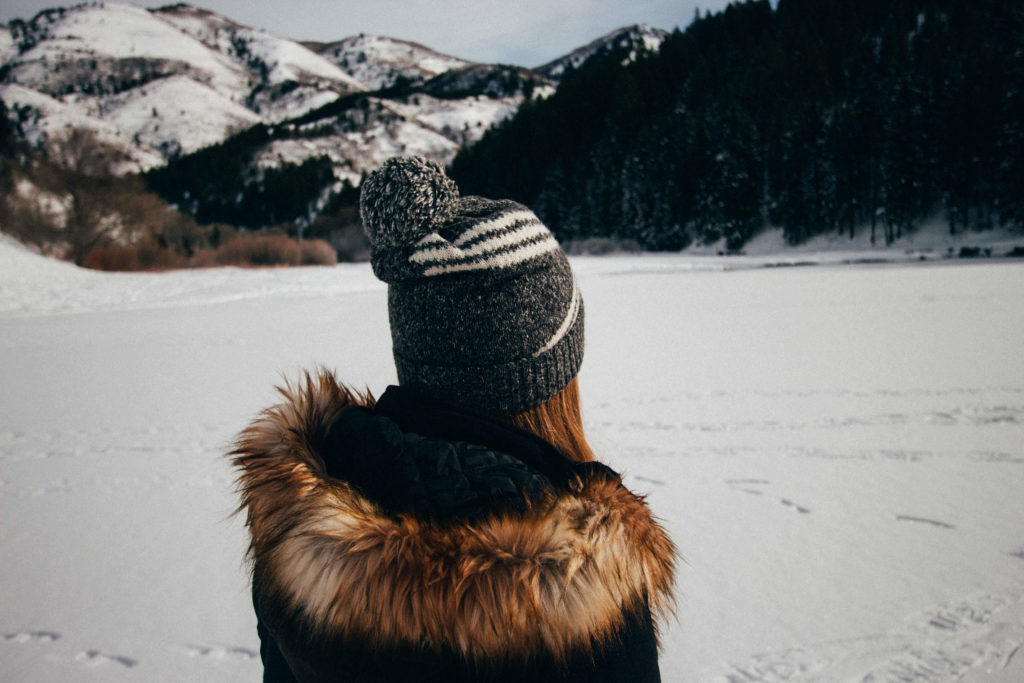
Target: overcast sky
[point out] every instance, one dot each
(523, 32)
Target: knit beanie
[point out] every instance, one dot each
(484, 309)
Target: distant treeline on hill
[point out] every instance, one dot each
(214, 184)
(816, 116)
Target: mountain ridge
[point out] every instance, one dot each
(132, 75)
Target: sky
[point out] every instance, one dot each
(523, 32)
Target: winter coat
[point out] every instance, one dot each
(402, 541)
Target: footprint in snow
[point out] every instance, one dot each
(796, 508)
(97, 658)
(749, 486)
(745, 484)
(23, 637)
(219, 652)
(924, 520)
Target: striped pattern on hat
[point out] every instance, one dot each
(507, 240)
(484, 308)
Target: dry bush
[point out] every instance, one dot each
(243, 251)
(147, 256)
(73, 204)
(156, 257)
(112, 258)
(272, 250)
(317, 253)
(220, 233)
(260, 250)
(204, 258)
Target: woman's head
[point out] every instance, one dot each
(483, 303)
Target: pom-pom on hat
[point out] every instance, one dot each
(404, 199)
(484, 308)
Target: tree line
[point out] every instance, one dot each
(816, 116)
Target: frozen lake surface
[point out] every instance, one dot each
(837, 450)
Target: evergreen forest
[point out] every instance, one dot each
(812, 116)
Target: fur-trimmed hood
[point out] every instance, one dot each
(557, 577)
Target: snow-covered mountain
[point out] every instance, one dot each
(163, 83)
(358, 139)
(629, 43)
(379, 62)
(156, 83)
(289, 78)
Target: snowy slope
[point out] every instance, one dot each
(118, 65)
(7, 48)
(289, 78)
(835, 449)
(284, 59)
(361, 139)
(95, 45)
(119, 69)
(463, 120)
(378, 61)
(630, 42)
(176, 115)
(161, 83)
(45, 119)
(170, 81)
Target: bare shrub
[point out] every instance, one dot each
(73, 204)
(204, 258)
(220, 233)
(244, 251)
(156, 257)
(112, 258)
(147, 256)
(317, 253)
(260, 250)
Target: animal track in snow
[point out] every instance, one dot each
(944, 643)
(36, 491)
(750, 486)
(960, 637)
(797, 508)
(743, 484)
(995, 457)
(924, 520)
(89, 658)
(97, 658)
(22, 637)
(219, 652)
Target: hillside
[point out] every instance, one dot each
(380, 62)
(837, 116)
(625, 45)
(235, 125)
(156, 84)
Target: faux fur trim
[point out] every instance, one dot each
(560, 578)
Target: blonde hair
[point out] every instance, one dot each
(559, 421)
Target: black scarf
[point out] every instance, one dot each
(411, 455)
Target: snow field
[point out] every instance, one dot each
(836, 450)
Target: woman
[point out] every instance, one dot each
(457, 528)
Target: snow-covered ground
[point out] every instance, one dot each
(836, 449)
